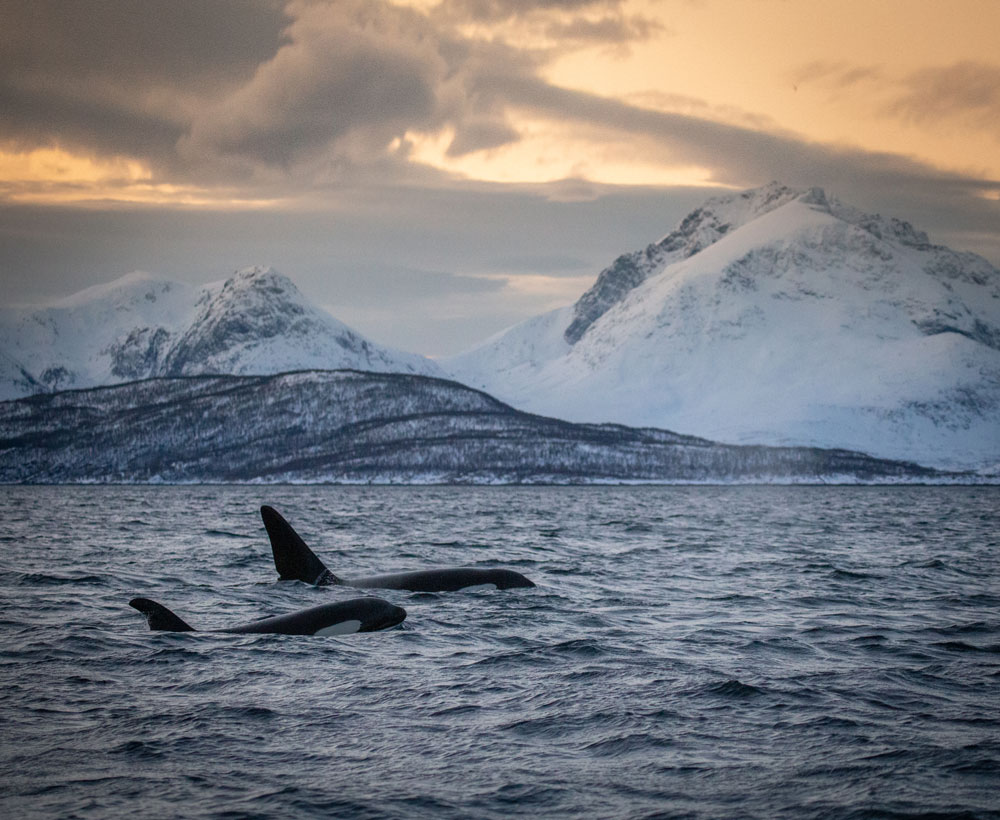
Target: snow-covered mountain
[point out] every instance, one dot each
(255, 322)
(774, 316)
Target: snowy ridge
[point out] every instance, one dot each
(698, 230)
(775, 317)
(139, 326)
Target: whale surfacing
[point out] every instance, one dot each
(296, 562)
(340, 618)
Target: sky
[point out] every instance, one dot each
(433, 171)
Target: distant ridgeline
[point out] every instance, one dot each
(350, 426)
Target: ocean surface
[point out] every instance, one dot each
(800, 652)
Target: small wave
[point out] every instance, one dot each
(735, 689)
(866, 640)
(734, 597)
(245, 712)
(932, 563)
(173, 654)
(227, 534)
(971, 628)
(137, 748)
(463, 709)
(962, 646)
(787, 646)
(888, 814)
(46, 579)
(854, 575)
(626, 744)
(246, 559)
(535, 656)
(981, 766)
(583, 648)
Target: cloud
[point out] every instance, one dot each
(118, 76)
(362, 70)
(966, 92)
(499, 10)
(836, 75)
(616, 30)
(479, 135)
(739, 155)
(299, 98)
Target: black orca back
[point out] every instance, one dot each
(292, 557)
(338, 618)
(362, 614)
(449, 579)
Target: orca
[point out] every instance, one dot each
(296, 562)
(340, 618)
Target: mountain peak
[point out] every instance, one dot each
(136, 327)
(702, 227)
(258, 276)
(262, 280)
(252, 306)
(774, 316)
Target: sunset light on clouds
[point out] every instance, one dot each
(418, 148)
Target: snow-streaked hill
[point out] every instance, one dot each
(256, 322)
(346, 426)
(774, 316)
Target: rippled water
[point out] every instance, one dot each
(689, 652)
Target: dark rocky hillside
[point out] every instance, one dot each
(348, 426)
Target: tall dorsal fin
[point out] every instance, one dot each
(292, 557)
(159, 617)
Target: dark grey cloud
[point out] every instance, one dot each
(350, 81)
(967, 92)
(359, 74)
(364, 68)
(264, 91)
(116, 76)
(167, 41)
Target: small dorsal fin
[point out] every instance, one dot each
(159, 617)
(292, 557)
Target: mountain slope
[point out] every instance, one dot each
(775, 317)
(137, 327)
(348, 426)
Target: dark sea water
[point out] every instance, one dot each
(801, 652)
